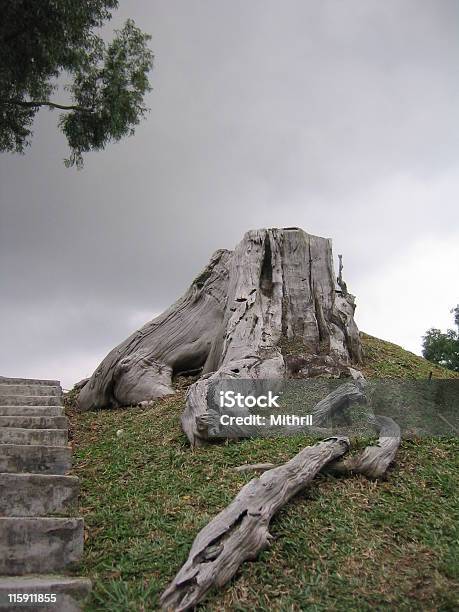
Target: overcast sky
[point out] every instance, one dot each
(340, 117)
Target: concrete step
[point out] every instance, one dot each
(38, 495)
(30, 400)
(39, 545)
(31, 411)
(16, 458)
(35, 437)
(29, 390)
(70, 592)
(6, 380)
(35, 422)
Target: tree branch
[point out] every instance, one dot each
(36, 103)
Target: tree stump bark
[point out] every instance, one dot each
(240, 318)
(140, 369)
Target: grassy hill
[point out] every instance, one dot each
(386, 360)
(344, 544)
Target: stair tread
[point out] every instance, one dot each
(33, 437)
(34, 545)
(30, 400)
(42, 579)
(39, 459)
(10, 389)
(34, 422)
(28, 411)
(38, 495)
(8, 380)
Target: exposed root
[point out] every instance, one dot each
(373, 461)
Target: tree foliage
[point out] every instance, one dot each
(42, 40)
(443, 347)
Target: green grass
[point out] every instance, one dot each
(344, 544)
(387, 360)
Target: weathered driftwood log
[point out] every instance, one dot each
(372, 462)
(241, 530)
(278, 286)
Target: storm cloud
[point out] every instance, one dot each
(338, 117)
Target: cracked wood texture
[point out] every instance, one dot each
(140, 369)
(277, 286)
(281, 288)
(373, 461)
(241, 531)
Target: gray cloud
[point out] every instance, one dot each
(339, 117)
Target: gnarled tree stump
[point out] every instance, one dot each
(270, 309)
(236, 319)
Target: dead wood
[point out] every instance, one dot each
(241, 530)
(277, 286)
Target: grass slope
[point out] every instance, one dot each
(386, 360)
(344, 544)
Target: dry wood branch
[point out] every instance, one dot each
(48, 103)
(240, 531)
(373, 461)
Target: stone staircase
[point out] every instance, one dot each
(40, 534)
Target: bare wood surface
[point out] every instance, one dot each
(277, 286)
(241, 530)
(373, 461)
(140, 369)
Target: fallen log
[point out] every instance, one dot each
(374, 460)
(241, 530)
